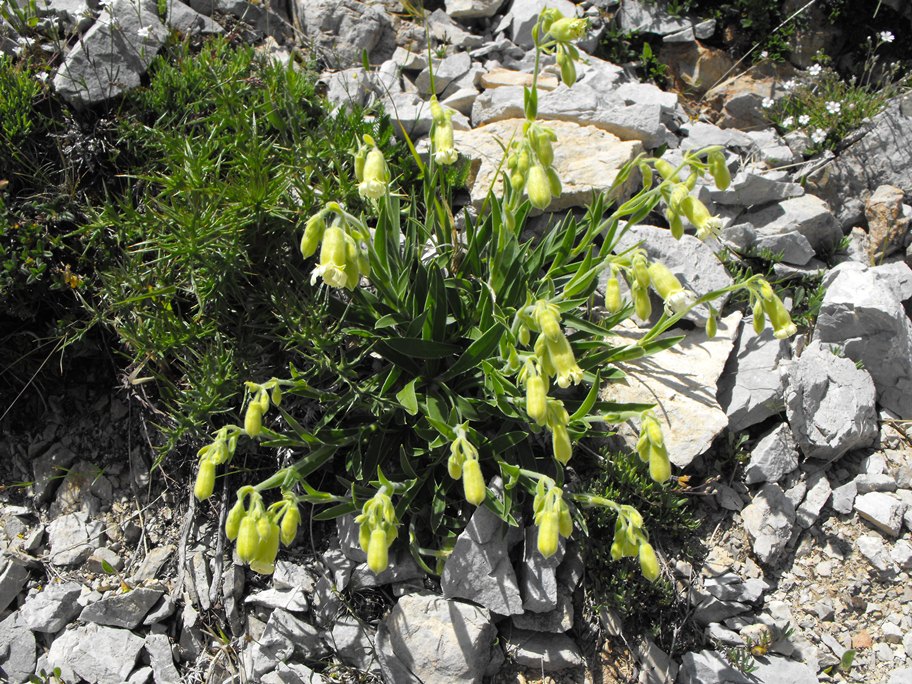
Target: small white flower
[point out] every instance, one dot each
(833, 107)
(144, 32)
(815, 70)
(765, 54)
(767, 102)
(818, 136)
(789, 85)
(886, 36)
(42, 76)
(788, 122)
(680, 302)
(804, 120)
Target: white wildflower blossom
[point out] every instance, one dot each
(789, 85)
(833, 107)
(886, 36)
(144, 32)
(788, 122)
(804, 120)
(815, 70)
(765, 54)
(767, 102)
(818, 136)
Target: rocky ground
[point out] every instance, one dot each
(111, 573)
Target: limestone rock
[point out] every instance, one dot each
(697, 66)
(749, 189)
(17, 649)
(701, 134)
(543, 652)
(479, 568)
(121, 610)
(158, 646)
(52, 608)
(884, 511)
(769, 520)
(586, 159)
(187, 20)
(865, 317)
(774, 456)
(472, 9)
(887, 224)
(681, 382)
(641, 17)
(429, 639)
(538, 575)
(752, 388)
(709, 667)
(352, 642)
(113, 55)
(100, 655)
(13, 576)
(830, 404)
(872, 547)
(342, 30)
(525, 13)
(818, 494)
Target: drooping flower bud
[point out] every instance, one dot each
(560, 443)
(665, 169)
(473, 482)
(377, 551)
(563, 360)
(267, 549)
(538, 187)
(248, 538)
(290, 521)
(567, 68)
(565, 522)
(649, 563)
(442, 138)
(548, 533)
(376, 176)
(205, 480)
(537, 399)
(707, 225)
(233, 520)
(759, 316)
(613, 302)
(253, 419)
(642, 305)
(313, 233)
(718, 169)
(541, 138)
(333, 258)
(779, 318)
(659, 465)
(712, 325)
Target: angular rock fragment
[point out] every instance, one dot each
(769, 519)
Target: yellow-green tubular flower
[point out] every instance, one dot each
(759, 316)
(649, 564)
(234, 518)
(547, 317)
(548, 533)
(565, 522)
(538, 187)
(205, 480)
(646, 172)
(707, 225)
(659, 465)
(543, 354)
(642, 446)
(765, 290)
(640, 270)
(333, 258)
(540, 138)
(473, 482)
(675, 224)
(253, 419)
(454, 467)
(561, 356)
(313, 233)
(665, 169)
(669, 288)
(567, 68)
(267, 549)
(248, 538)
(523, 335)
(649, 426)
(554, 182)
(613, 302)
(353, 263)
(262, 397)
(378, 551)
(276, 395)
(360, 159)
(364, 535)
(442, 136)
(537, 398)
(560, 443)
(568, 28)
(290, 521)
(779, 318)
(376, 175)
(718, 169)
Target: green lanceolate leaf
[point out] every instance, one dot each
(407, 398)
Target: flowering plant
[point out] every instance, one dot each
(472, 352)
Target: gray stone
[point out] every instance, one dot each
(880, 156)
(284, 636)
(772, 149)
(153, 563)
(728, 586)
(479, 568)
(158, 646)
(789, 225)
(774, 456)
(100, 655)
(769, 519)
(472, 9)
(341, 30)
(84, 488)
(708, 609)
(750, 189)
(446, 71)
(161, 610)
(709, 667)
(445, 30)
(843, 498)
(289, 599)
(647, 94)
(865, 483)
(353, 643)
(426, 638)
(52, 608)
(13, 576)
(558, 620)
(121, 610)
(778, 670)
(744, 238)
(113, 55)
(543, 652)
(901, 676)
(538, 575)
(901, 554)
(867, 319)
(293, 673)
(17, 650)
(190, 22)
(349, 88)
(48, 469)
(884, 511)
(524, 15)
(872, 547)
(830, 404)
(257, 19)
(72, 538)
(461, 100)
(402, 568)
(818, 494)
(641, 17)
(656, 666)
(96, 562)
(700, 135)
(288, 575)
